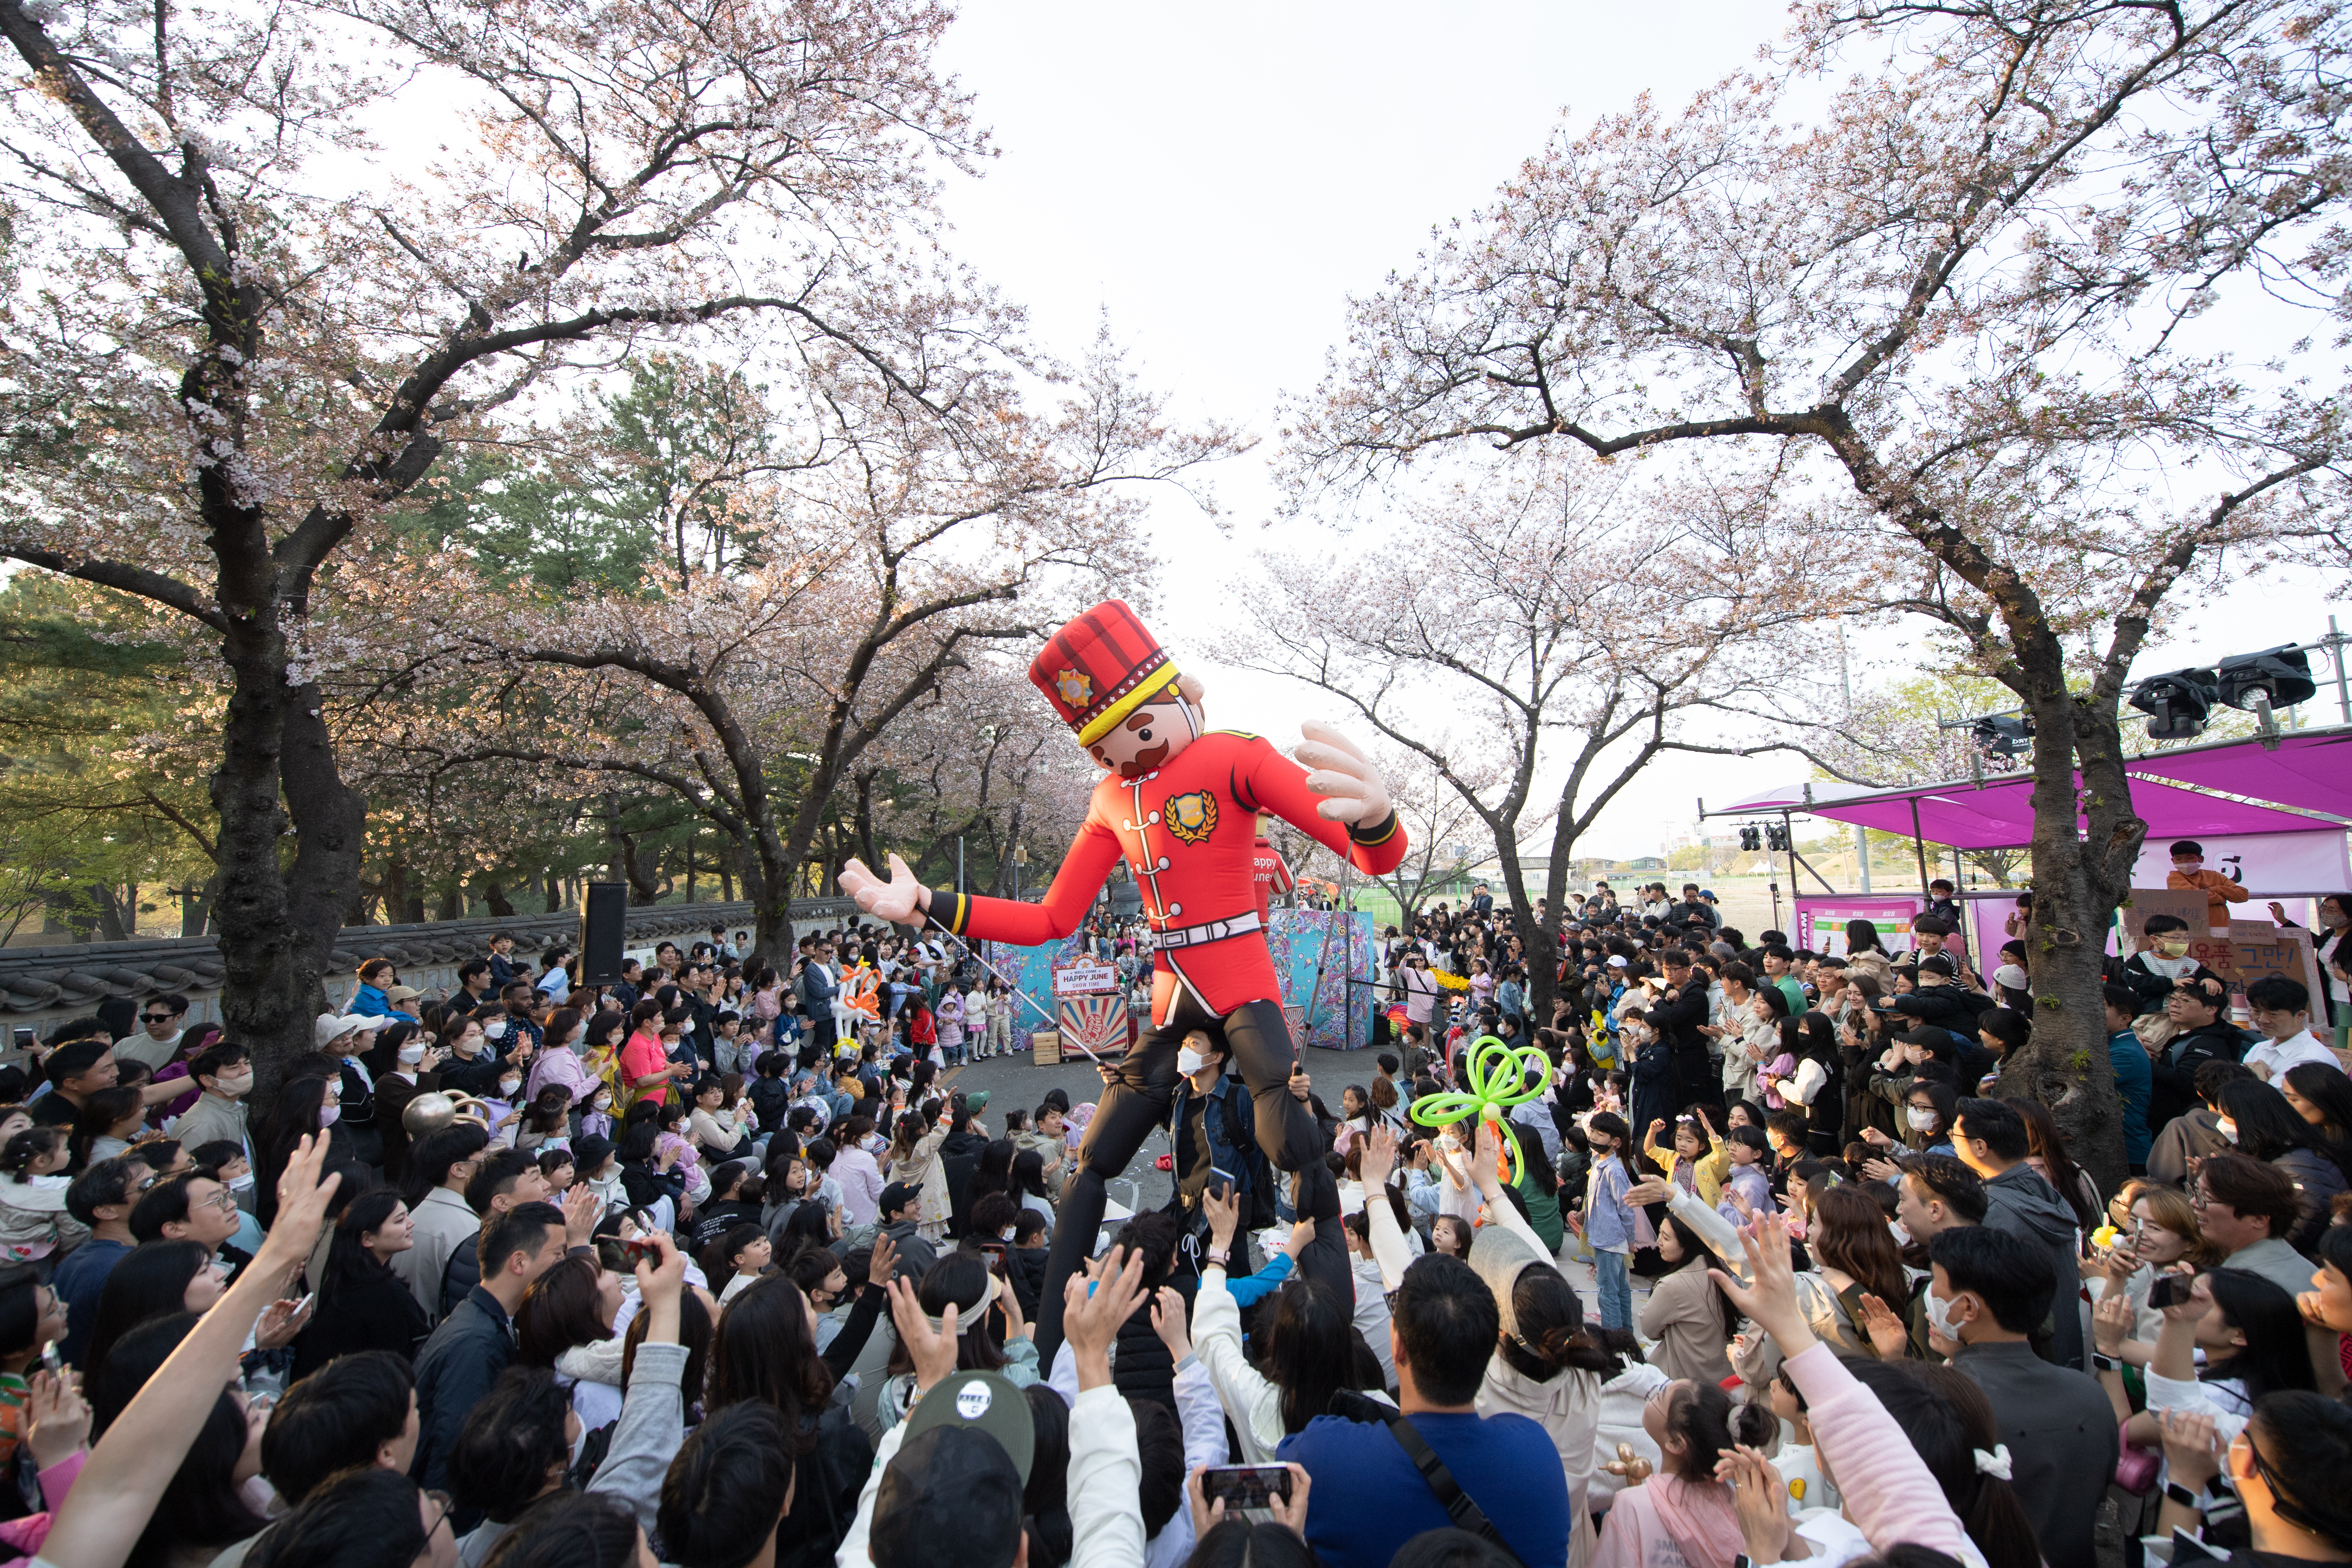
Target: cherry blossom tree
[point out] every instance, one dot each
(1534, 638)
(866, 588)
(245, 328)
(1970, 288)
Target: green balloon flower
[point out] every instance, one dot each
(1497, 1074)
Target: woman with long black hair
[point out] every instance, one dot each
(766, 1350)
(362, 1304)
(2258, 1119)
(1687, 1313)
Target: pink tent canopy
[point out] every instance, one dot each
(2234, 786)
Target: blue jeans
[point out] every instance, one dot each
(1616, 1289)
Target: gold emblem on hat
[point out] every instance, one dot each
(1190, 817)
(1076, 688)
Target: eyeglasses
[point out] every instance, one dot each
(223, 1200)
(442, 1500)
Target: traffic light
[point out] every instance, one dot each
(2003, 735)
(2176, 703)
(2280, 675)
(1749, 837)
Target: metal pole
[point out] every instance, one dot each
(1862, 853)
(2336, 641)
(1920, 845)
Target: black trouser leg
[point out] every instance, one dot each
(1315, 1196)
(1131, 1106)
(1260, 1042)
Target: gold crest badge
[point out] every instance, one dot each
(1075, 688)
(1190, 817)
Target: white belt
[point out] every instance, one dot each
(1212, 931)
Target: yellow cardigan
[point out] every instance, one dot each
(1712, 1170)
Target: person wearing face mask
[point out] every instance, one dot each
(225, 1072)
(474, 1068)
(2162, 962)
(2188, 871)
(1210, 1128)
(415, 1059)
(1987, 1291)
(347, 1039)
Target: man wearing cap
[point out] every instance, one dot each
(1181, 805)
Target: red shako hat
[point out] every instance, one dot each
(1101, 667)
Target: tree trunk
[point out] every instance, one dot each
(196, 905)
(494, 896)
(558, 890)
(277, 922)
(2077, 880)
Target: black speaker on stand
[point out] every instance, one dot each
(604, 932)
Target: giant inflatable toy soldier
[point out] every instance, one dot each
(1181, 804)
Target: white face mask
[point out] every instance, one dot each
(329, 1115)
(241, 1184)
(2227, 1129)
(1188, 1060)
(507, 1087)
(1920, 1121)
(603, 1102)
(1939, 1315)
(496, 1028)
(238, 1086)
(411, 1054)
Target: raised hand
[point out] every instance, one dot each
(899, 900)
(1770, 1296)
(2191, 1451)
(1224, 1212)
(1650, 1190)
(1168, 1322)
(933, 1350)
(58, 1421)
(1760, 1498)
(1359, 795)
(1379, 1157)
(2111, 1324)
(1889, 1334)
(885, 1253)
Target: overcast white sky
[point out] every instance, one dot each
(1220, 177)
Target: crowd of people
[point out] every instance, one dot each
(718, 1266)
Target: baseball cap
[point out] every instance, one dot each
(1616, 960)
(403, 993)
(976, 1101)
(952, 1495)
(898, 1194)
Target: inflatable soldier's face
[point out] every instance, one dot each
(1146, 738)
(1108, 678)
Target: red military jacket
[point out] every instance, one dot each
(1189, 832)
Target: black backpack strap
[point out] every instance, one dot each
(1464, 1513)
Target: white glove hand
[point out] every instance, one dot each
(899, 900)
(1358, 797)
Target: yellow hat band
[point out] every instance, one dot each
(1153, 681)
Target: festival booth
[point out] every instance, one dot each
(2271, 812)
(1317, 953)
